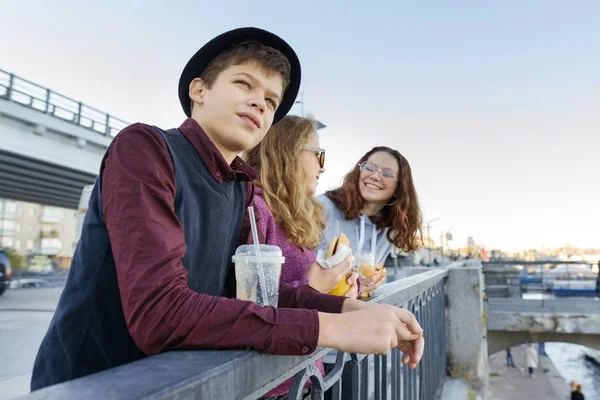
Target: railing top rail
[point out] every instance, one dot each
(45, 100)
(218, 374)
(557, 306)
(542, 262)
(403, 290)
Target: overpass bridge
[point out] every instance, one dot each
(512, 321)
(50, 145)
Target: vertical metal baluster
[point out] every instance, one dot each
(405, 382)
(47, 105)
(78, 116)
(318, 394)
(415, 372)
(442, 335)
(429, 381)
(415, 385)
(365, 378)
(424, 364)
(399, 375)
(394, 371)
(107, 131)
(377, 377)
(384, 377)
(430, 310)
(336, 390)
(9, 91)
(356, 378)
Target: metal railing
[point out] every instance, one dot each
(250, 375)
(541, 280)
(42, 99)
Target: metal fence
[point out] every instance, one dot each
(250, 375)
(541, 280)
(384, 377)
(34, 96)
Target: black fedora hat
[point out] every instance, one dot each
(199, 61)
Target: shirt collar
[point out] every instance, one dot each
(212, 157)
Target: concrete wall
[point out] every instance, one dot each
(502, 281)
(513, 329)
(466, 327)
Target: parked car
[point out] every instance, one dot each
(5, 271)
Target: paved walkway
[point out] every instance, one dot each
(510, 383)
(24, 318)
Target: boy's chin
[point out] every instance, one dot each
(242, 145)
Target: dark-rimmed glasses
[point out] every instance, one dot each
(320, 153)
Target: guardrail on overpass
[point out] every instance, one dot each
(45, 100)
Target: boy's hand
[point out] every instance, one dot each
(375, 329)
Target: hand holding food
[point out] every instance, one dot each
(343, 286)
(373, 277)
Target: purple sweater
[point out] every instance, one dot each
(293, 271)
(297, 260)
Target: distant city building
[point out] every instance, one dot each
(470, 242)
(30, 228)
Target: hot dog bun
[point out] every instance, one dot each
(368, 270)
(335, 244)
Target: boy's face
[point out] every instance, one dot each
(238, 110)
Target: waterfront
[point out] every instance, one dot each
(571, 364)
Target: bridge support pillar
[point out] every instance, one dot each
(467, 328)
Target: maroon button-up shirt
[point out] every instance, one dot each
(148, 245)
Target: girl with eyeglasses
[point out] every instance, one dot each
(290, 161)
(377, 209)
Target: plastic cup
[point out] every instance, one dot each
(361, 258)
(248, 269)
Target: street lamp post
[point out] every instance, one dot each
(447, 236)
(428, 224)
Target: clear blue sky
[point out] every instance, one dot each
(495, 104)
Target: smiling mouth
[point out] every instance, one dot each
(371, 186)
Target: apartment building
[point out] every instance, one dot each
(32, 228)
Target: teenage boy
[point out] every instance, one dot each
(153, 265)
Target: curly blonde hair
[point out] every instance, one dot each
(283, 180)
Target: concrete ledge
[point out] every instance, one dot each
(544, 322)
(225, 374)
(31, 116)
(466, 327)
(458, 389)
(511, 329)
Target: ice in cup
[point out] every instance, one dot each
(257, 276)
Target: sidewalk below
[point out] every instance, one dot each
(514, 383)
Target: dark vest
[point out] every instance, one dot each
(88, 332)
